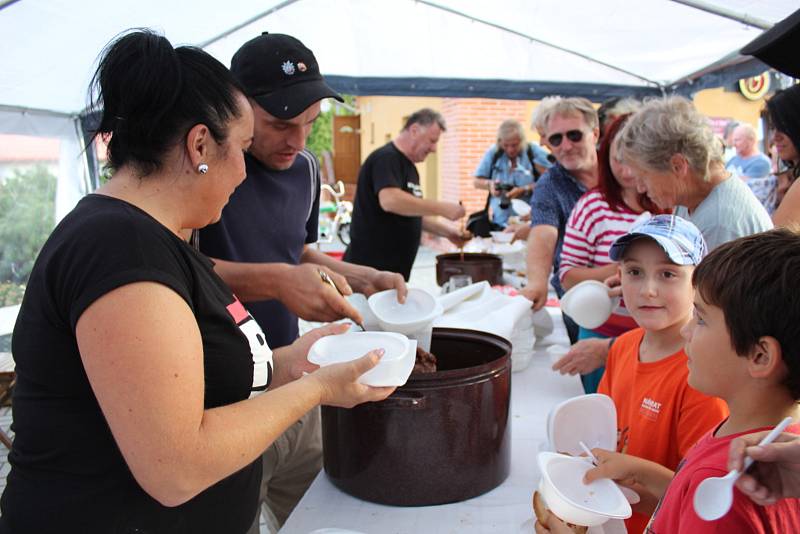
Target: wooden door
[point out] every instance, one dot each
(347, 150)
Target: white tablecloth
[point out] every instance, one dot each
(534, 391)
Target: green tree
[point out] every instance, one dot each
(27, 215)
(321, 137)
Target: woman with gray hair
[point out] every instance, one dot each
(677, 161)
(509, 170)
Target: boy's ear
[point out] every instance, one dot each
(766, 358)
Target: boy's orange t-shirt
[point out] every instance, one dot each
(659, 417)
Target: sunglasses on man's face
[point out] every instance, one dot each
(574, 136)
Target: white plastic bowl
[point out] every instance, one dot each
(566, 495)
(394, 367)
(416, 313)
(502, 237)
(521, 207)
(589, 418)
(588, 304)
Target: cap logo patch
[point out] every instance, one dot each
(288, 68)
(301, 67)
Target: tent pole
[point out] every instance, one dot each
(5, 3)
(727, 13)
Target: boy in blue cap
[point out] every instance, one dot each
(659, 417)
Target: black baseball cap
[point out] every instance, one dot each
(280, 74)
(778, 47)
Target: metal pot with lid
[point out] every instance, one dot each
(442, 437)
(479, 267)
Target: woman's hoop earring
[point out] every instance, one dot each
(202, 168)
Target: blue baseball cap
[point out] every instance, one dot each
(680, 239)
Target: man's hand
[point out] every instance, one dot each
(452, 211)
(516, 192)
(376, 280)
(521, 231)
(305, 294)
(536, 291)
(458, 238)
(584, 357)
(776, 473)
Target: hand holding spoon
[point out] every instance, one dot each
(714, 496)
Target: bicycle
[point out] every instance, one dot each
(335, 216)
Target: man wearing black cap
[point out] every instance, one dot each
(260, 245)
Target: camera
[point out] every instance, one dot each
(505, 202)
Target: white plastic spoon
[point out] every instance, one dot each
(631, 496)
(714, 496)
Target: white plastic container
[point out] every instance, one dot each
(566, 495)
(394, 367)
(521, 207)
(415, 314)
(502, 237)
(589, 418)
(588, 303)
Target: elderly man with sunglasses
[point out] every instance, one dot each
(571, 133)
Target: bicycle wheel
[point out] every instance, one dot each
(343, 232)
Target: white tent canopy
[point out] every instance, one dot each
(505, 49)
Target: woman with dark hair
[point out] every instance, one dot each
(784, 114)
(140, 403)
(599, 217)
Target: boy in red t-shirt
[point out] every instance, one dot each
(743, 346)
(659, 417)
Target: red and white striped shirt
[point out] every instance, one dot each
(592, 228)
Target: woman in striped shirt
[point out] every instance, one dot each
(598, 218)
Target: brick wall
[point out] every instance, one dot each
(471, 129)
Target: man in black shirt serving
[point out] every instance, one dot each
(390, 213)
(261, 246)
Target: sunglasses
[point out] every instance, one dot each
(574, 136)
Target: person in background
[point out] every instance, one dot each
(389, 212)
(753, 167)
(784, 114)
(600, 216)
(746, 353)
(145, 391)
(728, 150)
(748, 162)
(613, 108)
(659, 417)
(509, 169)
(572, 135)
(262, 244)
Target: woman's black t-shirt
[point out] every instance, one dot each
(67, 473)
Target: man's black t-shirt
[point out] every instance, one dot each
(269, 218)
(380, 239)
(67, 474)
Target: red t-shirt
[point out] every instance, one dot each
(709, 458)
(659, 417)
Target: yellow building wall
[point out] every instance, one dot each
(382, 119)
(728, 104)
